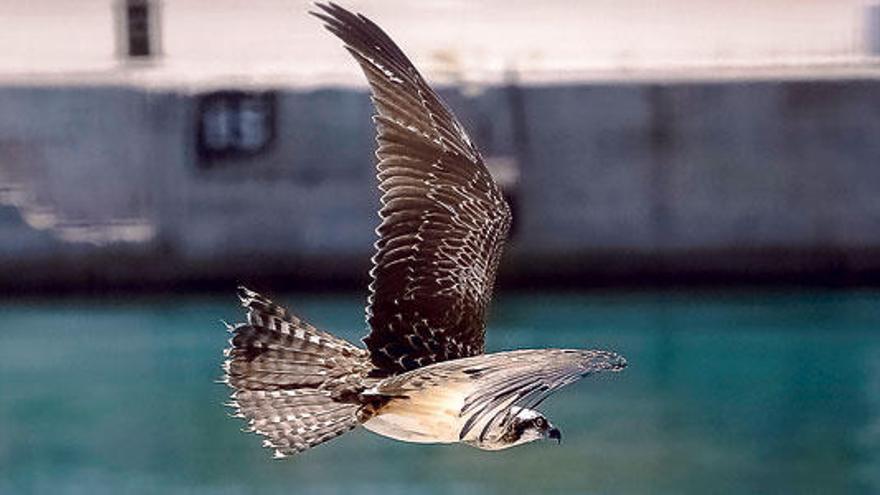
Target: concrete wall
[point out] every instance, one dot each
(744, 181)
(737, 179)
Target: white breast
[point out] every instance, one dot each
(426, 416)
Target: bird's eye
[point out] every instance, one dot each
(539, 422)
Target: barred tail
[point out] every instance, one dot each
(291, 380)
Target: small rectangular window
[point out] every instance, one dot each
(137, 29)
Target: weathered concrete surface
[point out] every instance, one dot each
(714, 182)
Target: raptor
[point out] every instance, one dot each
(424, 376)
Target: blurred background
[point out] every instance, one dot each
(695, 184)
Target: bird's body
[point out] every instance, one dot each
(424, 377)
(428, 414)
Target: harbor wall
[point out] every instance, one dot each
(636, 183)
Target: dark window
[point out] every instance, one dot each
(137, 19)
(233, 125)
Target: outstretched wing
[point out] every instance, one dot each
(525, 379)
(500, 382)
(444, 220)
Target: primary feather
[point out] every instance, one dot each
(444, 219)
(423, 377)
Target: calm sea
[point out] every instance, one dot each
(741, 393)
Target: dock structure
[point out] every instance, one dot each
(178, 169)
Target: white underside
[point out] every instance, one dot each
(429, 416)
(433, 416)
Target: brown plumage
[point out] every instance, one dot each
(444, 220)
(293, 382)
(423, 377)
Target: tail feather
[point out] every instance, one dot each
(292, 420)
(291, 380)
(264, 313)
(262, 359)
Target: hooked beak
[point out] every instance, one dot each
(555, 434)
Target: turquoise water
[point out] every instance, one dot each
(725, 393)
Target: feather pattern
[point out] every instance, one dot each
(443, 218)
(294, 420)
(524, 379)
(503, 381)
(424, 377)
(293, 383)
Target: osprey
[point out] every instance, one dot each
(423, 376)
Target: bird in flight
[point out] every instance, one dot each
(424, 376)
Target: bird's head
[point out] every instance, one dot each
(529, 425)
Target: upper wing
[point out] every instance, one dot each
(501, 381)
(444, 220)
